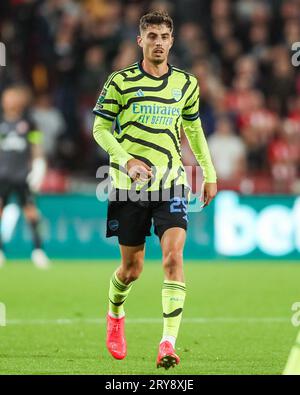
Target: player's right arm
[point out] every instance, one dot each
(108, 107)
(106, 110)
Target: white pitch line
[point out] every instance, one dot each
(198, 320)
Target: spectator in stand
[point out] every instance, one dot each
(188, 46)
(231, 51)
(281, 85)
(284, 156)
(50, 120)
(94, 70)
(259, 37)
(127, 54)
(227, 150)
(257, 126)
(246, 67)
(238, 98)
(130, 21)
(257, 116)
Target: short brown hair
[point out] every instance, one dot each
(156, 18)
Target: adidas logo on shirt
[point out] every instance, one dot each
(140, 93)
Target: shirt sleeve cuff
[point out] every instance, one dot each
(210, 178)
(124, 159)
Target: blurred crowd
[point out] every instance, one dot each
(240, 51)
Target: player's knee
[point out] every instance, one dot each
(132, 270)
(131, 275)
(172, 261)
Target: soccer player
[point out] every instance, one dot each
(147, 103)
(22, 166)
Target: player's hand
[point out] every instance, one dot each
(138, 170)
(208, 192)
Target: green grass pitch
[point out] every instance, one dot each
(236, 319)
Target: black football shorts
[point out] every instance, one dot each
(19, 189)
(131, 221)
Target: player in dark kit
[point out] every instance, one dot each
(22, 166)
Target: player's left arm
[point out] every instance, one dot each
(38, 162)
(197, 141)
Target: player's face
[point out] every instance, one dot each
(156, 42)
